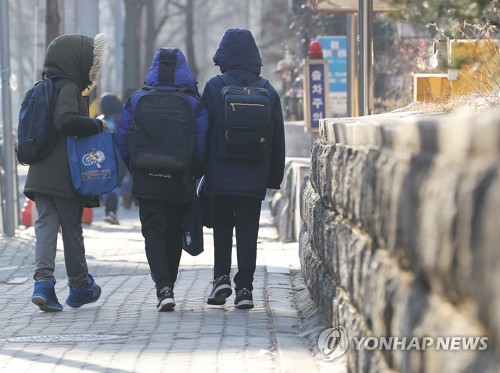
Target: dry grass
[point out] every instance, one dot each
(478, 63)
(476, 102)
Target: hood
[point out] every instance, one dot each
(237, 49)
(110, 104)
(170, 68)
(76, 56)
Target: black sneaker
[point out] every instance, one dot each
(166, 300)
(220, 291)
(244, 299)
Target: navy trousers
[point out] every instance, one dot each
(242, 214)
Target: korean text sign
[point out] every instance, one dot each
(316, 98)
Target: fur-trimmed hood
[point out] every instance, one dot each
(76, 56)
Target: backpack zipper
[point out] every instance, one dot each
(234, 104)
(160, 111)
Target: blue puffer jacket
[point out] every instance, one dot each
(160, 75)
(239, 58)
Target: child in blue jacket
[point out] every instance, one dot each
(160, 208)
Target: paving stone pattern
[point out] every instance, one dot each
(123, 332)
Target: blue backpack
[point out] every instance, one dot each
(36, 135)
(247, 129)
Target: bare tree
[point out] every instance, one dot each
(132, 73)
(22, 47)
(53, 21)
(188, 10)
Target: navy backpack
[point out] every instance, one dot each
(36, 135)
(247, 129)
(161, 143)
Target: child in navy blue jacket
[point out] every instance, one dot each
(238, 188)
(160, 210)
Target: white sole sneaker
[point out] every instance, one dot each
(219, 295)
(244, 304)
(167, 304)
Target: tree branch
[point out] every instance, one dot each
(165, 18)
(178, 5)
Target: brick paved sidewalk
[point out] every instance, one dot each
(123, 332)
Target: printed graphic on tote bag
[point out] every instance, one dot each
(97, 158)
(93, 163)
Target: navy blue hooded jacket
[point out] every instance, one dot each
(162, 75)
(238, 57)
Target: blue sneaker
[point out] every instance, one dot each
(79, 296)
(44, 296)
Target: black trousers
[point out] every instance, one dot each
(241, 213)
(161, 227)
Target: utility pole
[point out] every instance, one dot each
(9, 216)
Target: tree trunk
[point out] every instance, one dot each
(53, 21)
(132, 78)
(190, 53)
(150, 30)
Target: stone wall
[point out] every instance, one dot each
(285, 203)
(401, 235)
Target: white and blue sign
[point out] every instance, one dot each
(335, 51)
(318, 99)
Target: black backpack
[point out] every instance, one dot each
(247, 128)
(161, 144)
(36, 134)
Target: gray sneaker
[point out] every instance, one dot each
(111, 219)
(220, 291)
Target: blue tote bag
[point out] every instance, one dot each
(93, 163)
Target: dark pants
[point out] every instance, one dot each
(161, 227)
(243, 214)
(111, 201)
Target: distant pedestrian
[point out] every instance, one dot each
(239, 186)
(161, 138)
(77, 57)
(111, 108)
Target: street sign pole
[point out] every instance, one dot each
(365, 84)
(352, 64)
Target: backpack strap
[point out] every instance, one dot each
(228, 80)
(260, 82)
